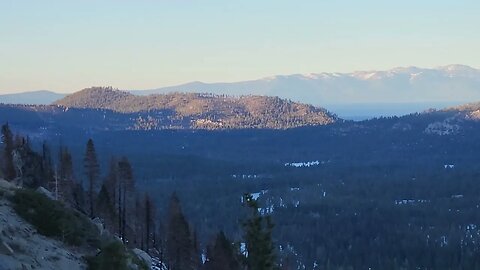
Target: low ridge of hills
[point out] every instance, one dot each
(40, 97)
(208, 111)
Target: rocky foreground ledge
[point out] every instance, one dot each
(23, 247)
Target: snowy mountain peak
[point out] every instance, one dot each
(458, 68)
(409, 84)
(460, 71)
(366, 75)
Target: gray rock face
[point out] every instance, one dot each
(6, 186)
(21, 247)
(45, 192)
(99, 224)
(142, 255)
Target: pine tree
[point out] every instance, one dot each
(126, 191)
(222, 255)
(258, 238)
(8, 147)
(120, 207)
(64, 183)
(149, 224)
(47, 165)
(112, 185)
(180, 249)
(78, 197)
(105, 209)
(139, 225)
(65, 171)
(197, 259)
(92, 170)
(111, 181)
(159, 242)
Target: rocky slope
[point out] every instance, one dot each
(25, 245)
(22, 247)
(470, 111)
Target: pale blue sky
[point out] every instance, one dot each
(69, 45)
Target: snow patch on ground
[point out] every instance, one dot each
(256, 195)
(157, 264)
(303, 164)
(410, 201)
(245, 176)
(442, 128)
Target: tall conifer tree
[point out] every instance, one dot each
(8, 147)
(222, 255)
(126, 191)
(180, 247)
(92, 170)
(258, 238)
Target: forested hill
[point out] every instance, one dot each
(204, 110)
(469, 111)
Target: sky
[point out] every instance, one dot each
(69, 45)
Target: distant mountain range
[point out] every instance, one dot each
(399, 85)
(40, 97)
(359, 94)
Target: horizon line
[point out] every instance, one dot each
(247, 80)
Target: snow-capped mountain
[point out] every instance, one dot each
(457, 83)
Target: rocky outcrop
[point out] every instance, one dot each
(142, 255)
(21, 247)
(45, 192)
(7, 188)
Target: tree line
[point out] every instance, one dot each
(130, 214)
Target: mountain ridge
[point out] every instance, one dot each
(203, 110)
(37, 97)
(396, 84)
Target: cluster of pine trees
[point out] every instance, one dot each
(131, 215)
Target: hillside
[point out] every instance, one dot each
(207, 111)
(469, 111)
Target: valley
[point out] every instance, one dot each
(329, 182)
